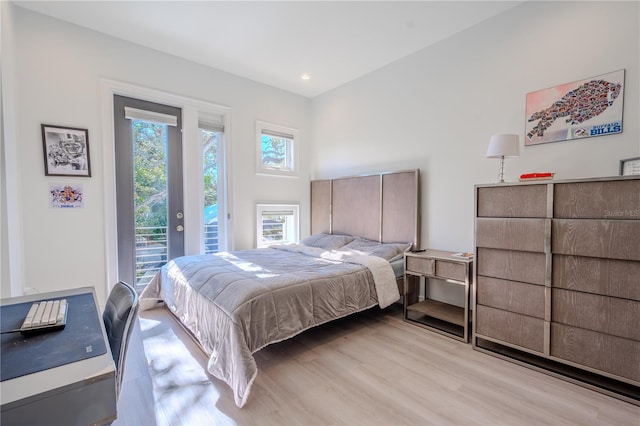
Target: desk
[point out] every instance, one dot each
(74, 392)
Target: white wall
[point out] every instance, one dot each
(436, 110)
(59, 68)
(10, 219)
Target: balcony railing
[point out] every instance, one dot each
(211, 238)
(152, 252)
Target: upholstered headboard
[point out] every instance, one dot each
(382, 207)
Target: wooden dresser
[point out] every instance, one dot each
(558, 279)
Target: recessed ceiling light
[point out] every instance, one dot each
(305, 76)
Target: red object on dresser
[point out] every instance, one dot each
(536, 176)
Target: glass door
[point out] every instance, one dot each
(210, 140)
(148, 139)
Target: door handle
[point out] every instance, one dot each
(179, 228)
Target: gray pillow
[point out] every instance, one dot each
(327, 241)
(388, 251)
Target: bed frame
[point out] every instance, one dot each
(383, 207)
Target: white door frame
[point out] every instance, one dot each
(192, 176)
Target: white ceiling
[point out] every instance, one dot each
(275, 42)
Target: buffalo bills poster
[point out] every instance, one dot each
(582, 109)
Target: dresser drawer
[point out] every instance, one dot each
(609, 277)
(451, 270)
(521, 298)
(614, 239)
(517, 329)
(611, 315)
(598, 200)
(611, 354)
(512, 201)
(420, 265)
(512, 265)
(511, 234)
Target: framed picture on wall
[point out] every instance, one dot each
(66, 195)
(577, 110)
(630, 166)
(66, 151)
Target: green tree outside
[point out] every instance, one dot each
(150, 173)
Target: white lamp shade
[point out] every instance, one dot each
(503, 146)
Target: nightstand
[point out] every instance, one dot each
(444, 318)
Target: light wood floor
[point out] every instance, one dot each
(367, 369)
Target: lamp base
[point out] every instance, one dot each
(501, 173)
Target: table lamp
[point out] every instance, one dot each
(503, 146)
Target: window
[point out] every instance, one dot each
(211, 132)
(276, 151)
(277, 224)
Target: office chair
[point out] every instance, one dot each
(119, 316)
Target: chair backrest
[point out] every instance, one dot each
(119, 315)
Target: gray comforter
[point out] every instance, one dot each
(237, 303)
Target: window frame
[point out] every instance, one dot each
(262, 209)
(292, 151)
(192, 110)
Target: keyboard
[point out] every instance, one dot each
(46, 315)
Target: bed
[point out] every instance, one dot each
(236, 303)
